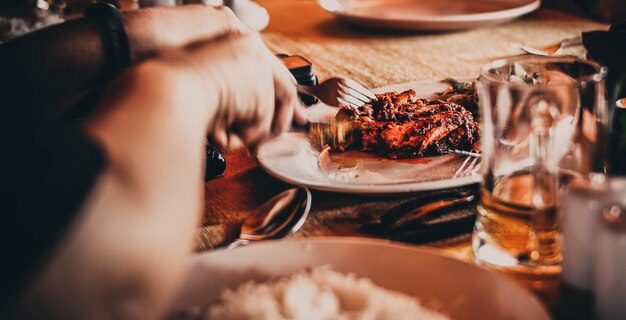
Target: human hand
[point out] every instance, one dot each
(152, 29)
(253, 92)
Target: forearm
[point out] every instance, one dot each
(129, 251)
(130, 248)
(45, 69)
(154, 117)
(152, 29)
(52, 68)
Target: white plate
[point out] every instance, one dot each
(463, 291)
(428, 15)
(291, 159)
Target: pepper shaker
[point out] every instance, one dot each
(580, 210)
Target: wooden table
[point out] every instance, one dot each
(375, 59)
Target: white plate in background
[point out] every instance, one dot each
(428, 15)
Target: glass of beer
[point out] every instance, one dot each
(543, 122)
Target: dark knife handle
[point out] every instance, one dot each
(398, 212)
(438, 231)
(417, 216)
(416, 222)
(429, 210)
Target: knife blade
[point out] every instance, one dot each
(434, 202)
(438, 231)
(335, 134)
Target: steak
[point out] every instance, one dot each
(400, 125)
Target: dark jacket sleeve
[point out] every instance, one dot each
(48, 166)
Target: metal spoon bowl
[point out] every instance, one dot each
(283, 214)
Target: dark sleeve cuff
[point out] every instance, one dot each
(45, 182)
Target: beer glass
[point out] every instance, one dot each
(543, 122)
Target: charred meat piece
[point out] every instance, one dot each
(400, 125)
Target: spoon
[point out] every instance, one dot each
(277, 217)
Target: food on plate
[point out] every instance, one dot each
(319, 293)
(463, 93)
(401, 125)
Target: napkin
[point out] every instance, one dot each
(609, 48)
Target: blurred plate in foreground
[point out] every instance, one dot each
(458, 289)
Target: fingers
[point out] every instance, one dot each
(226, 141)
(256, 94)
(299, 116)
(212, 21)
(150, 30)
(220, 139)
(234, 142)
(288, 106)
(255, 134)
(285, 96)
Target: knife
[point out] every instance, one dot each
(419, 208)
(338, 135)
(416, 219)
(438, 231)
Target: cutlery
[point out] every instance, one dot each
(550, 50)
(465, 153)
(470, 165)
(339, 91)
(437, 231)
(335, 134)
(283, 214)
(415, 219)
(420, 208)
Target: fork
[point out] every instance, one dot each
(339, 91)
(470, 165)
(550, 50)
(476, 154)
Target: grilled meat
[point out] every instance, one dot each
(400, 125)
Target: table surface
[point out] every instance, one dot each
(376, 59)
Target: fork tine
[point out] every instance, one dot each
(476, 168)
(356, 95)
(461, 168)
(347, 103)
(351, 91)
(360, 89)
(470, 167)
(349, 98)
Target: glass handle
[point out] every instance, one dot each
(544, 237)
